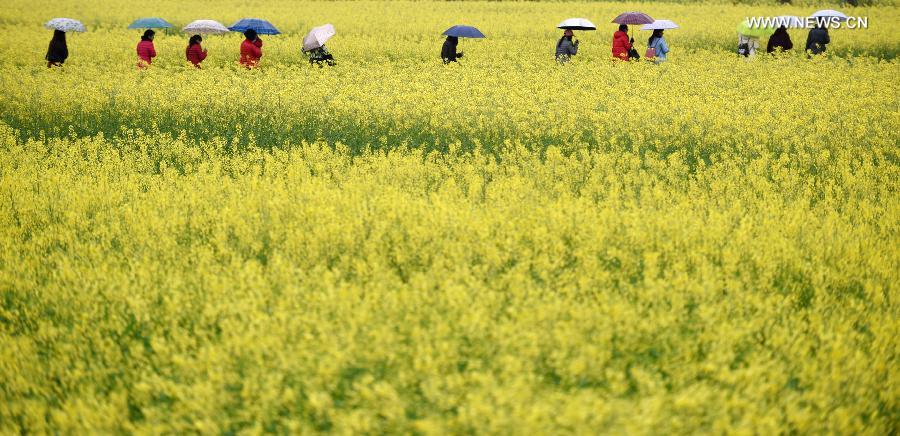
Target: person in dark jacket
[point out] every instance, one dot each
(448, 51)
(321, 57)
(817, 40)
(58, 51)
(195, 52)
(565, 48)
(779, 40)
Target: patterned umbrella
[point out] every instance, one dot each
(205, 27)
(149, 23)
(461, 31)
(65, 25)
(633, 18)
(261, 27)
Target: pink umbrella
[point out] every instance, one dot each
(633, 18)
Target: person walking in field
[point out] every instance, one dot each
(448, 51)
(747, 45)
(195, 52)
(657, 46)
(780, 40)
(565, 48)
(145, 50)
(817, 40)
(321, 57)
(621, 44)
(58, 51)
(251, 49)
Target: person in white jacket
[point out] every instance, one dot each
(752, 45)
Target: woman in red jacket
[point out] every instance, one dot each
(195, 53)
(145, 50)
(251, 49)
(621, 43)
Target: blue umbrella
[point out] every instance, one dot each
(261, 27)
(464, 32)
(150, 23)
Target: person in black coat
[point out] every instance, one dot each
(448, 52)
(779, 39)
(58, 51)
(817, 40)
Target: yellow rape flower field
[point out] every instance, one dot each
(504, 246)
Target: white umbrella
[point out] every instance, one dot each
(660, 24)
(205, 27)
(317, 37)
(65, 25)
(577, 24)
(825, 13)
(790, 21)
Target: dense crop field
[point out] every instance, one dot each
(504, 246)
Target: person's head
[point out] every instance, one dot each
(196, 39)
(250, 34)
(59, 36)
(568, 34)
(148, 35)
(623, 28)
(453, 40)
(657, 33)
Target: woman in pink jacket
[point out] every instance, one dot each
(145, 50)
(195, 53)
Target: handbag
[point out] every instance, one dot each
(651, 51)
(633, 54)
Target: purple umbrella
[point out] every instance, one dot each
(633, 18)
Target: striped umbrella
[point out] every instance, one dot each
(633, 18)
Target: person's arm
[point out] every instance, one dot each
(662, 46)
(201, 54)
(255, 50)
(572, 48)
(627, 42)
(826, 39)
(258, 42)
(152, 51)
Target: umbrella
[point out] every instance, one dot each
(205, 27)
(790, 21)
(464, 32)
(660, 24)
(633, 18)
(150, 23)
(317, 37)
(261, 27)
(577, 24)
(65, 25)
(830, 13)
(755, 32)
